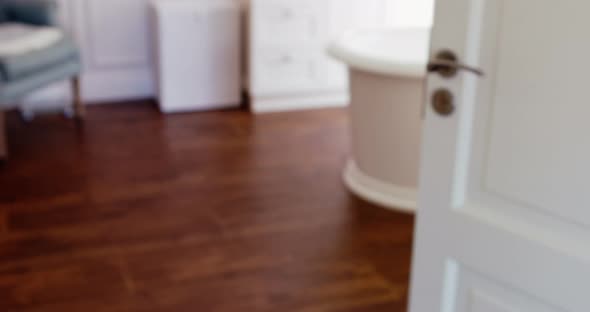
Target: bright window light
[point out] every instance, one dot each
(410, 13)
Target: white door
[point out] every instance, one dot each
(504, 213)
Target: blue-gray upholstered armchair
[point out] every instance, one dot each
(23, 73)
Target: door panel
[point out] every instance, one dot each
(541, 76)
(519, 159)
(478, 293)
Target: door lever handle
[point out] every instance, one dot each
(447, 65)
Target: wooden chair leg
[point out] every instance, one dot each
(3, 146)
(79, 109)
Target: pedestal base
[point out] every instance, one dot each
(389, 196)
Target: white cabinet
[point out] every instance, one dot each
(198, 54)
(288, 65)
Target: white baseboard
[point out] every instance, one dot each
(298, 102)
(110, 86)
(390, 196)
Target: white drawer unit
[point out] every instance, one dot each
(288, 64)
(289, 68)
(198, 54)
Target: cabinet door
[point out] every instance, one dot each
(288, 41)
(115, 42)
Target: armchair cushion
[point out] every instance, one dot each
(34, 12)
(17, 39)
(13, 91)
(20, 66)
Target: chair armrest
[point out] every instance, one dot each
(35, 12)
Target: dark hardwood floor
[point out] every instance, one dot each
(217, 211)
